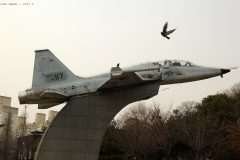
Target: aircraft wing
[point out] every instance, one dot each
(121, 78)
(124, 79)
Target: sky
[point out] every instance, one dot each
(90, 37)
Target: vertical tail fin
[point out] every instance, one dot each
(48, 69)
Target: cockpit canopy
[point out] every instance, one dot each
(175, 63)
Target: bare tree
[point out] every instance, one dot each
(160, 130)
(22, 151)
(137, 133)
(7, 138)
(192, 127)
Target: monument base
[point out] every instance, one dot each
(77, 131)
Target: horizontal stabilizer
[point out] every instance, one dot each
(53, 94)
(47, 105)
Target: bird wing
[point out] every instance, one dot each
(165, 27)
(169, 32)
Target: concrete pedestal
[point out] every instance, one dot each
(77, 131)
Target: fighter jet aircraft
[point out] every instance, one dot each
(53, 83)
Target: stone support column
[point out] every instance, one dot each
(77, 131)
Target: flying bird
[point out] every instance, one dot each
(165, 33)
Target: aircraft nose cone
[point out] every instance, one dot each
(224, 71)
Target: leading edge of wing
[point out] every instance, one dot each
(120, 78)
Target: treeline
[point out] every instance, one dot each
(17, 146)
(194, 131)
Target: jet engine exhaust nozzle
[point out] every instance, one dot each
(22, 97)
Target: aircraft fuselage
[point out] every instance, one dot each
(54, 86)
